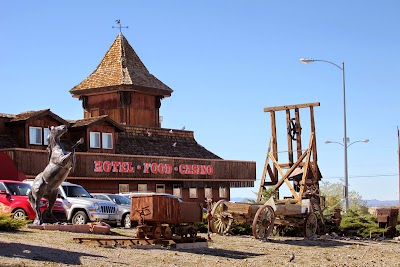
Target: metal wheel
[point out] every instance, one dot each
(140, 233)
(80, 218)
(156, 232)
(167, 232)
(19, 214)
(192, 231)
(263, 222)
(310, 225)
(221, 220)
(126, 222)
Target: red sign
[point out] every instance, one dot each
(154, 168)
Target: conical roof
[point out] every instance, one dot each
(121, 70)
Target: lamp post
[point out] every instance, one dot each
(345, 146)
(346, 191)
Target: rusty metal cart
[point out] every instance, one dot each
(224, 213)
(160, 215)
(301, 173)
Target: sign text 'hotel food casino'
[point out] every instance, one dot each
(153, 168)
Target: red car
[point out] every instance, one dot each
(14, 194)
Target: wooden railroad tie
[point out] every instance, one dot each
(136, 242)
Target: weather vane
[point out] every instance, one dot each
(119, 25)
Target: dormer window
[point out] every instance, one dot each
(94, 140)
(35, 135)
(46, 132)
(107, 140)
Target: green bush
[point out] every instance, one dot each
(363, 225)
(8, 223)
(241, 228)
(201, 226)
(288, 231)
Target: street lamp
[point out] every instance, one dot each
(346, 191)
(333, 142)
(346, 178)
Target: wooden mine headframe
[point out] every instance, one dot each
(301, 175)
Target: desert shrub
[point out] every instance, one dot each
(288, 231)
(241, 228)
(201, 226)
(266, 194)
(8, 223)
(359, 224)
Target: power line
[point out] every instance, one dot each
(356, 176)
(362, 176)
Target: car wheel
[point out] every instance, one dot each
(19, 214)
(80, 218)
(127, 221)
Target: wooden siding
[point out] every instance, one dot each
(142, 110)
(32, 162)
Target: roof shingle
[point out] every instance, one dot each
(121, 66)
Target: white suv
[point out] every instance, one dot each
(82, 207)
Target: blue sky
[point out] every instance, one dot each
(226, 61)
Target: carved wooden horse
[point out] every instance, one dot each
(47, 182)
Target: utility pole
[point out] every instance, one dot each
(398, 153)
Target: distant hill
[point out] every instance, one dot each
(370, 202)
(238, 199)
(382, 203)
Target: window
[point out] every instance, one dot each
(94, 140)
(223, 192)
(123, 188)
(46, 132)
(208, 192)
(177, 190)
(160, 188)
(142, 187)
(107, 140)
(35, 135)
(101, 197)
(192, 192)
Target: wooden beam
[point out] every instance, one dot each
(289, 137)
(314, 146)
(264, 173)
(299, 145)
(274, 140)
(277, 108)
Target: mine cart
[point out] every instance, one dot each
(160, 215)
(387, 218)
(300, 173)
(224, 213)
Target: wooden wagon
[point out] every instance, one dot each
(262, 217)
(160, 215)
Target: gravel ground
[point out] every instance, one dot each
(32, 247)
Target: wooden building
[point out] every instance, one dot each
(125, 147)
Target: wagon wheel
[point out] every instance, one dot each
(167, 232)
(156, 232)
(221, 219)
(263, 222)
(310, 225)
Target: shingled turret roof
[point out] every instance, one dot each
(121, 70)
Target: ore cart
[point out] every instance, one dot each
(161, 215)
(262, 217)
(300, 173)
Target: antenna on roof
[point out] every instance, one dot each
(118, 21)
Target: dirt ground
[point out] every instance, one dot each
(32, 247)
